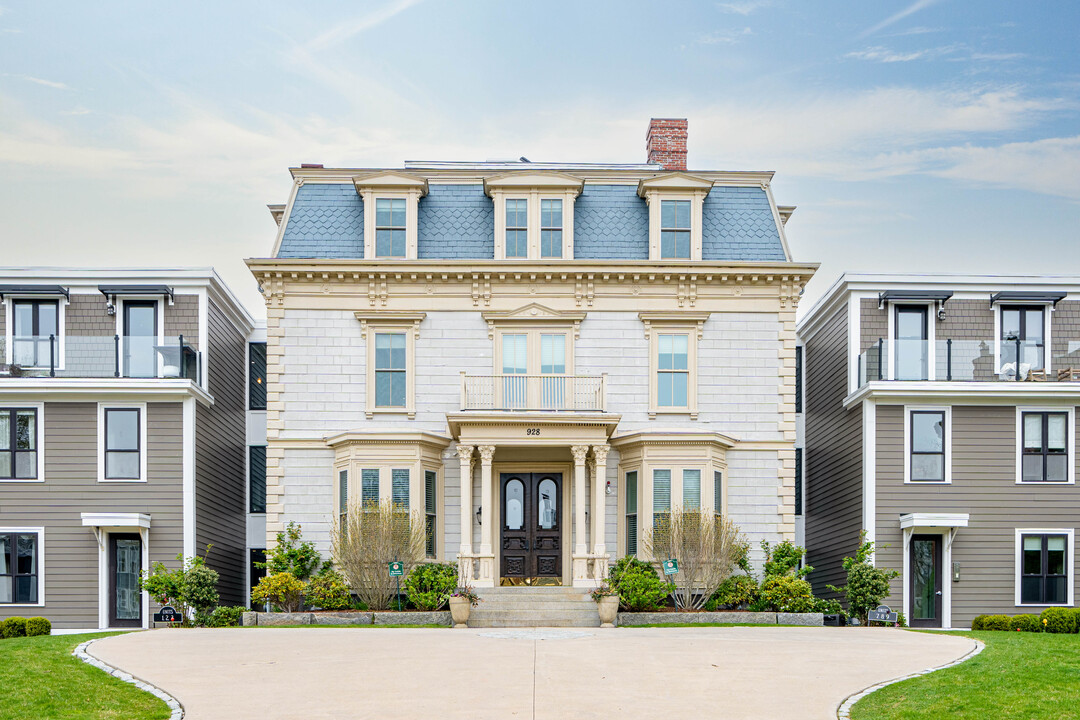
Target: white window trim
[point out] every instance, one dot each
(931, 339)
(908, 409)
(1048, 312)
(143, 450)
(675, 186)
(40, 568)
(9, 328)
(390, 322)
(691, 324)
(391, 185)
(40, 408)
(159, 322)
(533, 197)
(1070, 564)
(1070, 443)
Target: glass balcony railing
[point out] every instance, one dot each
(967, 360)
(90, 356)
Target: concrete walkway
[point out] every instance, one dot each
(317, 673)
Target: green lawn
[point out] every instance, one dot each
(40, 679)
(1019, 676)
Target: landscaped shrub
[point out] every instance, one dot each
(737, 592)
(327, 591)
(224, 616)
(13, 628)
(784, 559)
(867, 585)
(280, 589)
(38, 626)
(624, 564)
(289, 554)
(977, 622)
(1025, 623)
(706, 545)
(1058, 620)
(996, 622)
(370, 538)
(641, 590)
(200, 588)
(786, 593)
(429, 585)
(190, 588)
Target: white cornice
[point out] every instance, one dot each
(963, 392)
(478, 172)
(358, 437)
(128, 389)
(654, 437)
(390, 180)
(674, 182)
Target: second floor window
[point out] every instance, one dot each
(18, 444)
(927, 446)
(674, 229)
(122, 450)
(672, 370)
(35, 321)
(390, 227)
(551, 229)
(390, 364)
(1045, 456)
(1023, 326)
(517, 228)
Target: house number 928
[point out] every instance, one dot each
(532, 431)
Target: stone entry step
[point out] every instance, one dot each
(534, 607)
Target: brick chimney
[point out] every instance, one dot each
(666, 143)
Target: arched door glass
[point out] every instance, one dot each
(547, 503)
(515, 504)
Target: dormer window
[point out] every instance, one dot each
(675, 210)
(675, 229)
(391, 205)
(390, 227)
(534, 215)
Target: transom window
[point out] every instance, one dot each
(675, 229)
(390, 227)
(35, 321)
(551, 224)
(1045, 456)
(18, 444)
(390, 370)
(18, 568)
(1023, 326)
(927, 446)
(122, 447)
(673, 373)
(517, 228)
(1044, 569)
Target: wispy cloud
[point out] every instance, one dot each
(40, 81)
(997, 56)
(80, 110)
(917, 30)
(909, 10)
(725, 37)
(743, 7)
(354, 26)
(882, 54)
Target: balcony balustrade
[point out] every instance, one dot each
(535, 393)
(967, 360)
(108, 356)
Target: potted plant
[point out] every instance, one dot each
(462, 601)
(607, 603)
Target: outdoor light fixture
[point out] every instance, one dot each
(607, 488)
(479, 512)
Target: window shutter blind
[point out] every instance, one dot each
(718, 492)
(691, 489)
(369, 486)
(399, 486)
(661, 491)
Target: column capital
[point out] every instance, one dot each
(580, 452)
(464, 453)
(487, 452)
(600, 453)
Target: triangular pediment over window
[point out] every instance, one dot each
(533, 313)
(550, 181)
(676, 181)
(390, 181)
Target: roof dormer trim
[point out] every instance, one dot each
(674, 182)
(521, 181)
(390, 181)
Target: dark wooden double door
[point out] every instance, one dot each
(531, 536)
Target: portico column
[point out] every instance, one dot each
(465, 453)
(600, 453)
(486, 554)
(581, 547)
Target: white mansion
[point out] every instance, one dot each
(538, 357)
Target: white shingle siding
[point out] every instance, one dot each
(753, 488)
(309, 494)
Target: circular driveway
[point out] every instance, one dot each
(317, 673)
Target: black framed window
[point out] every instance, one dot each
(257, 376)
(798, 379)
(122, 444)
(18, 444)
(1044, 569)
(927, 446)
(19, 564)
(631, 512)
(257, 479)
(34, 322)
(1045, 456)
(798, 481)
(674, 229)
(430, 505)
(1024, 325)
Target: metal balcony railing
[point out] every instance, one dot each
(547, 393)
(90, 356)
(966, 360)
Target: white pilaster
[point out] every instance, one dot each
(465, 453)
(581, 547)
(599, 504)
(486, 554)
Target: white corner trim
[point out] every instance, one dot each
(40, 531)
(1070, 563)
(947, 409)
(101, 408)
(1070, 443)
(189, 477)
(869, 459)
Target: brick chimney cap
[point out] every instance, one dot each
(311, 165)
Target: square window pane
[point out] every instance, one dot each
(46, 319)
(667, 214)
(1033, 319)
(678, 389)
(383, 212)
(1055, 431)
(389, 389)
(664, 343)
(664, 389)
(397, 216)
(5, 464)
(1033, 559)
(122, 429)
(679, 346)
(26, 589)
(1033, 542)
(928, 467)
(1057, 468)
(691, 489)
(667, 245)
(398, 246)
(26, 560)
(682, 214)
(121, 465)
(25, 465)
(1031, 590)
(1032, 468)
(551, 243)
(384, 243)
(927, 432)
(1010, 323)
(516, 243)
(1033, 431)
(397, 389)
(25, 429)
(1055, 561)
(24, 320)
(682, 246)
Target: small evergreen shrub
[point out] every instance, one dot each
(429, 585)
(280, 589)
(738, 591)
(38, 626)
(787, 593)
(1026, 623)
(1058, 620)
(328, 591)
(13, 628)
(997, 622)
(977, 622)
(223, 616)
(628, 563)
(638, 585)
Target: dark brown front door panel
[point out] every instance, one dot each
(531, 533)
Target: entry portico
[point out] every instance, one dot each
(567, 456)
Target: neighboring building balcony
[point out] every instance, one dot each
(534, 393)
(1008, 360)
(110, 356)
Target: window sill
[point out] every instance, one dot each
(1043, 605)
(121, 480)
(391, 411)
(21, 605)
(22, 480)
(928, 482)
(653, 412)
(1045, 482)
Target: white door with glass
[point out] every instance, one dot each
(534, 372)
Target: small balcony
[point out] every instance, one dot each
(109, 356)
(967, 360)
(533, 393)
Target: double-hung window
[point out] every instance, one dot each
(430, 511)
(1045, 450)
(691, 489)
(390, 227)
(551, 224)
(674, 229)
(1044, 571)
(399, 488)
(19, 567)
(343, 500)
(672, 375)
(18, 444)
(369, 487)
(34, 322)
(631, 512)
(123, 443)
(661, 505)
(927, 451)
(391, 360)
(390, 370)
(517, 228)
(718, 492)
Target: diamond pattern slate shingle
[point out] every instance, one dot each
(457, 222)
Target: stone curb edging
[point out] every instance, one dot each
(843, 710)
(174, 704)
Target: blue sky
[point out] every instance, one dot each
(925, 135)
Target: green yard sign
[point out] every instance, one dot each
(671, 566)
(397, 569)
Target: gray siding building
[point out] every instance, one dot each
(941, 418)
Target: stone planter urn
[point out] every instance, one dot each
(609, 610)
(459, 611)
